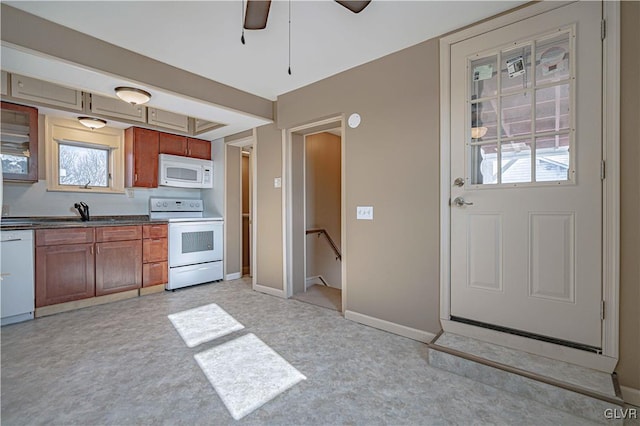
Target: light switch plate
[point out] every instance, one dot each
(364, 212)
(5, 210)
(277, 182)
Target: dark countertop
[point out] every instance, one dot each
(44, 222)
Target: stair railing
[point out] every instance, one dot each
(322, 231)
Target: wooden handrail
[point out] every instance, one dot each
(320, 231)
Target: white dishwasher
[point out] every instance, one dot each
(17, 292)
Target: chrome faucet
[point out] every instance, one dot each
(83, 208)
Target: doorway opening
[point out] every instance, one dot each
(316, 215)
(239, 210)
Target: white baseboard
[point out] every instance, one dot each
(269, 290)
(391, 327)
(631, 395)
(234, 276)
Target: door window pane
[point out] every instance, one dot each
(516, 162)
(515, 119)
(552, 59)
(484, 72)
(484, 164)
(516, 69)
(552, 108)
(552, 158)
(82, 165)
(484, 120)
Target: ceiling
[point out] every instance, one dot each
(203, 37)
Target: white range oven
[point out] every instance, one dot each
(195, 241)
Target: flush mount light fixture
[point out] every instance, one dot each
(92, 123)
(478, 132)
(354, 120)
(132, 95)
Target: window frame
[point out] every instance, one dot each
(70, 132)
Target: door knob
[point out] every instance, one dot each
(459, 201)
(458, 182)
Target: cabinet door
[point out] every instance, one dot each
(32, 89)
(141, 157)
(19, 146)
(64, 273)
(168, 120)
(173, 144)
(155, 273)
(199, 149)
(118, 266)
(154, 250)
(113, 107)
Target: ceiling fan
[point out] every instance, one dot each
(257, 11)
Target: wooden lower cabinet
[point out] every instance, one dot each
(155, 274)
(118, 266)
(155, 269)
(64, 273)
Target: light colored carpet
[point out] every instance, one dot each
(203, 324)
(246, 373)
(321, 295)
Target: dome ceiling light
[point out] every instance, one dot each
(92, 123)
(132, 95)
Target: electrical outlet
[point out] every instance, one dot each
(277, 182)
(364, 212)
(5, 210)
(130, 192)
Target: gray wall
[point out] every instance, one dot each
(269, 261)
(391, 164)
(629, 367)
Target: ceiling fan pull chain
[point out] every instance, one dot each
(289, 37)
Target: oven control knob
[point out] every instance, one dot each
(191, 205)
(164, 204)
(197, 204)
(158, 203)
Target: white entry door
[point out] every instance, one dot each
(526, 197)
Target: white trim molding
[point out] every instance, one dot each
(611, 187)
(270, 291)
(391, 327)
(233, 276)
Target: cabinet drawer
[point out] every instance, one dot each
(118, 233)
(51, 237)
(154, 250)
(155, 273)
(154, 231)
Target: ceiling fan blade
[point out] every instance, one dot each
(356, 6)
(256, 14)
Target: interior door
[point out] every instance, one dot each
(526, 193)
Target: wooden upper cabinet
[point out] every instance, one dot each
(19, 134)
(173, 144)
(141, 157)
(199, 148)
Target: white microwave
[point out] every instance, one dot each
(185, 172)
